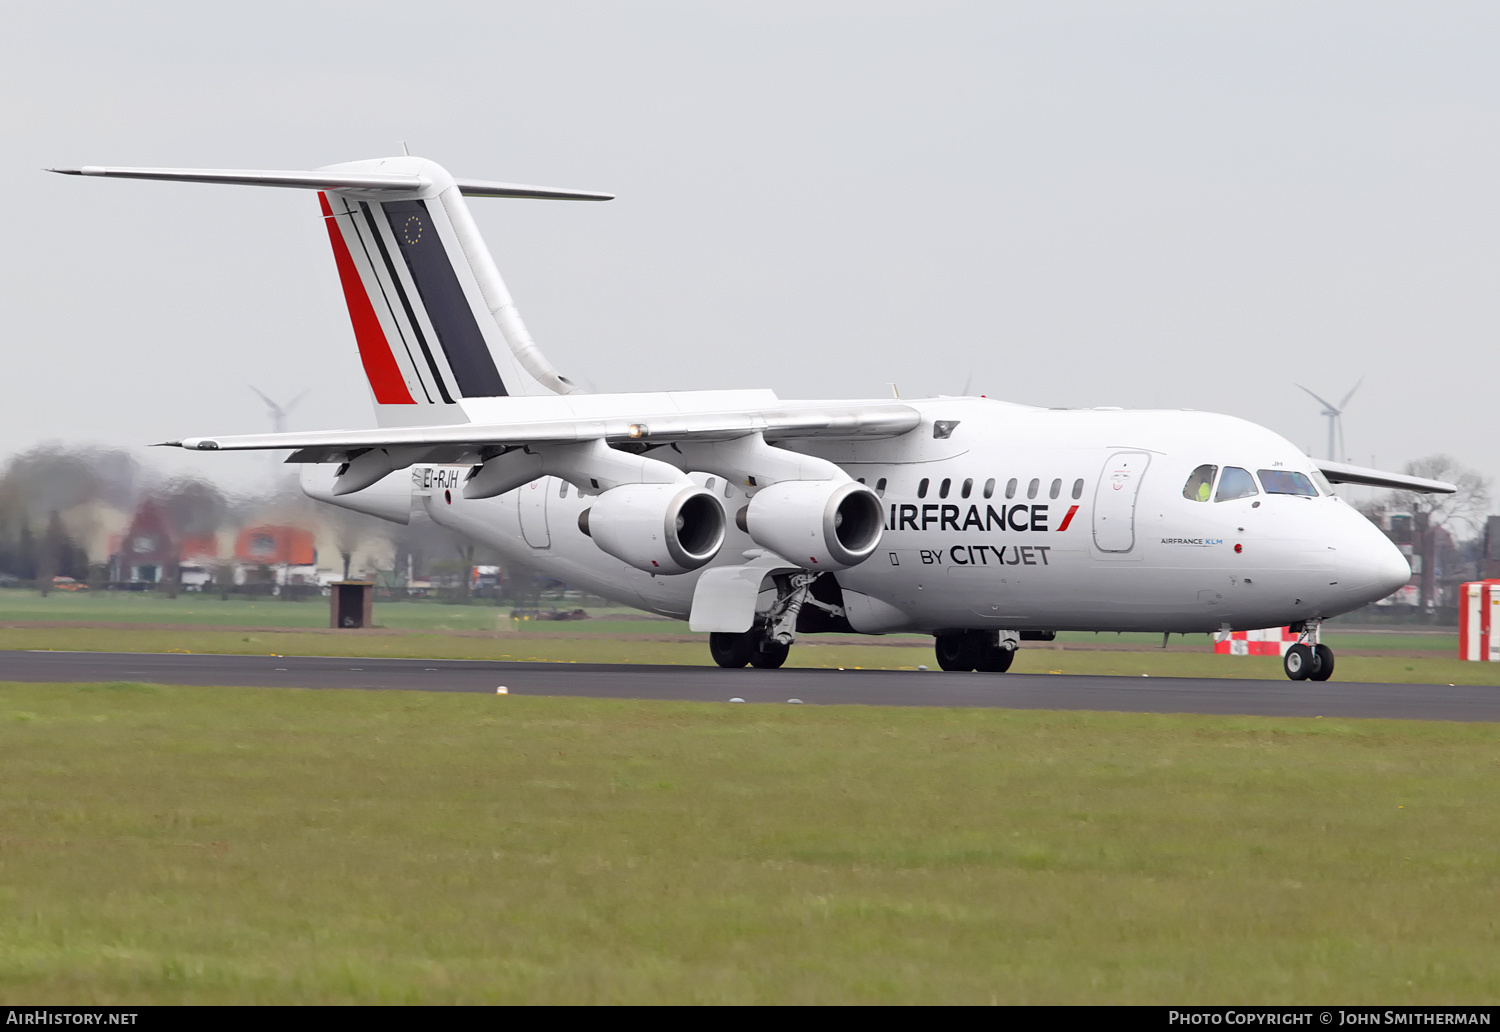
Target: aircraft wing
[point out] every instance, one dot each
(461, 442)
(1343, 473)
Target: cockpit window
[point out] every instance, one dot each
(1285, 481)
(1322, 482)
(1235, 483)
(1200, 484)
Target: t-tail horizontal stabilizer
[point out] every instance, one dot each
(322, 179)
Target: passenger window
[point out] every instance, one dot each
(1056, 489)
(1235, 483)
(1010, 488)
(1032, 488)
(967, 489)
(880, 487)
(1285, 481)
(989, 488)
(1077, 489)
(1200, 484)
(922, 488)
(943, 487)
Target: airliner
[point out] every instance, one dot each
(984, 523)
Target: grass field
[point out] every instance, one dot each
(20, 606)
(209, 610)
(205, 845)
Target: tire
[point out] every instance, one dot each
(992, 659)
(729, 650)
(1298, 662)
(954, 651)
(1322, 663)
(769, 655)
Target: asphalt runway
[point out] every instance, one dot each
(710, 684)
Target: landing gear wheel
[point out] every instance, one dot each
(1322, 663)
(994, 659)
(732, 650)
(1299, 663)
(769, 655)
(953, 651)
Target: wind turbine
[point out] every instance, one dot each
(279, 412)
(1335, 415)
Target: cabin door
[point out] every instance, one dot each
(1114, 501)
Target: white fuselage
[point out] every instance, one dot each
(1031, 519)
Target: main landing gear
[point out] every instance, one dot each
(752, 647)
(767, 644)
(989, 652)
(1309, 659)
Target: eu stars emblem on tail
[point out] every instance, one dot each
(411, 230)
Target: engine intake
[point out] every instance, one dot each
(659, 528)
(817, 524)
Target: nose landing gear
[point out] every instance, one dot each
(1309, 659)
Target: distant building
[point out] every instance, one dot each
(281, 547)
(275, 554)
(276, 546)
(147, 549)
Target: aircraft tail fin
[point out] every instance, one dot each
(433, 320)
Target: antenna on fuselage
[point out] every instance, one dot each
(1335, 416)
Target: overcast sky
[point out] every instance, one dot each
(1138, 204)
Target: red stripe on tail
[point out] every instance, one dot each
(374, 350)
(1067, 519)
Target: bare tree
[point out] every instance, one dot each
(1432, 512)
(57, 478)
(194, 508)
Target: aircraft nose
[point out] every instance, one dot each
(1389, 567)
(1376, 566)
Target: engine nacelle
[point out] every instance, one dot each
(659, 528)
(817, 524)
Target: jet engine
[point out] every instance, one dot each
(659, 528)
(817, 524)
